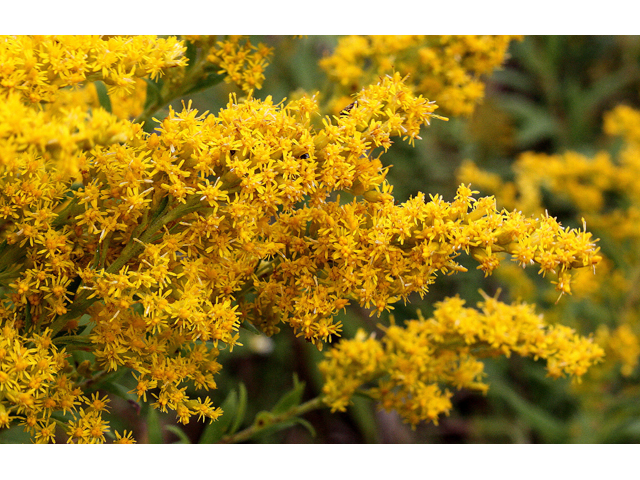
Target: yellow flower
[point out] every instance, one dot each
(446, 68)
(37, 67)
(124, 438)
(164, 244)
(410, 364)
(241, 62)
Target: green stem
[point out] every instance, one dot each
(259, 425)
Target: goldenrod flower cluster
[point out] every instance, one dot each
(58, 134)
(583, 181)
(448, 68)
(240, 61)
(36, 67)
(588, 184)
(152, 250)
(622, 345)
(36, 382)
(27, 375)
(411, 366)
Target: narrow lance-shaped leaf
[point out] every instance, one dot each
(216, 430)
(154, 427)
(103, 96)
(241, 409)
(179, 433)
(290, 399)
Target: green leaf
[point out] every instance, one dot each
(191, 54)
(109, 383)
(531, 54)
(15, 435)
(306, 425)
(362, 413)
(276, 427)
(550, 429)
(118, 390)
(208, 80)
(179, 433)
(154, 428)
(536, 123)
(291, 399)
(103, 96)
(218, 429)
(138, 308)
(154, 95)
(250, 327)
(515, 80)
(85, 320)
(234, 410)
(160, 210)
(241, 409)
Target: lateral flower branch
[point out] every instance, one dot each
(156, 248)
(408, 369)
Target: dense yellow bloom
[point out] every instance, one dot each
(34, 386)
(150, 251)
(447, 68)
(204, 187)
(241, 62)
(38, 66)
(60, 136)
(410, 365)
(588, 184)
